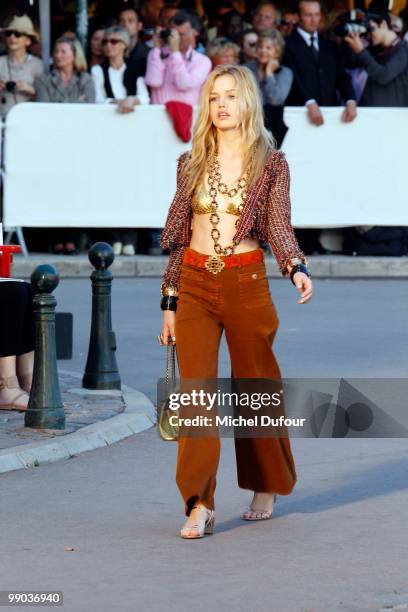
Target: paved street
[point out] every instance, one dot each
(352, 328)
(338, 543)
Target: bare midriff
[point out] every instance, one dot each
(202, 242)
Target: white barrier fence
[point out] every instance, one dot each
(75, 165)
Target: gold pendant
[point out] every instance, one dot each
(214, 264)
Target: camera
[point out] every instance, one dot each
(353, 22)
(164, 34)
(11, 86)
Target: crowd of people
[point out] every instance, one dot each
(159, 52)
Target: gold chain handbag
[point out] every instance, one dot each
(168, 429)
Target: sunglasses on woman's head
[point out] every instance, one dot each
(15, 33)
(111, 41)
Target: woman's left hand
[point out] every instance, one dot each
(304, 285)
(127, 105)
(271, 67)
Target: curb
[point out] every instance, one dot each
(139, 415)
(151, 266)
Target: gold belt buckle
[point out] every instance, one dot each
(214, 264)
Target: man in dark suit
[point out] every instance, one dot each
(137, 56)
(319, 78)
(319, 74)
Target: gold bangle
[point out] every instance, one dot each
(168, 290)
(295, 261)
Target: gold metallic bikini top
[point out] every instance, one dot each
(202, 204)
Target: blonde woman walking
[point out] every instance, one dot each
(232, 192)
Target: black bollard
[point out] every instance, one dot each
(45, 409)
(101, 371)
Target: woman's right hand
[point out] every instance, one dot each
(271, 67)
(169, 326)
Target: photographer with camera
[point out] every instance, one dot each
(175, 70)
(18, 68)
(385, 61)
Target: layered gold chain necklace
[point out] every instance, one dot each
(214, 263)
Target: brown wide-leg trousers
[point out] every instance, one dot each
(238, 301)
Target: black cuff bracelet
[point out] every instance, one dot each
(299, 268)
(169, 302)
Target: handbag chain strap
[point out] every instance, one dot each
(170, 359)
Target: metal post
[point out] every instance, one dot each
(45, 29)
(82, 22)
(101, 370)
(45, 409)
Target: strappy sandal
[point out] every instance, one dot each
(261, 515)
(12, 383)
(26, 380)
(199, 532)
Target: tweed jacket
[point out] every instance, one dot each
(266, 215)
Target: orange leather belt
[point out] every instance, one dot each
(194, 258)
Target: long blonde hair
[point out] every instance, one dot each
(252, 128)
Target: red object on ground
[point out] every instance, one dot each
(182, 117)
(6, 257)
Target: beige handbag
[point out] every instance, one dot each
(167, 430)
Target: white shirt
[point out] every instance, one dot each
(118, 88)
(307, 37)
